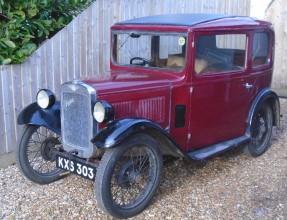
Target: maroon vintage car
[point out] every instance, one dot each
(188, 85)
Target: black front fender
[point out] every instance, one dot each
(34, 115)
(119, 130)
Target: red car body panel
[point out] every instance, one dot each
(129, 94)
(217, 105)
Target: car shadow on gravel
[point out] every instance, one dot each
(181, 172)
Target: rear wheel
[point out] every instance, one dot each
(35, 154)
(128, 176)
(261, 131)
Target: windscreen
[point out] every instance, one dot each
(150, 50)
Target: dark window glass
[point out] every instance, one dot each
(220, 53)
(260, 49)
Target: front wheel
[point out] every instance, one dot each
(35, 154)
(261, 131)
(128, 176)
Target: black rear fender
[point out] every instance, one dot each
(266, 96)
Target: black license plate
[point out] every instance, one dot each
(76, 166)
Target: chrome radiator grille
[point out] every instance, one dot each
(77, 123)
(76, 119)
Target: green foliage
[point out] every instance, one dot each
(25, 24)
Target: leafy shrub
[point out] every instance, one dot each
(25, 24)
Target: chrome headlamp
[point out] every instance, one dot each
(103, 111)
(45, 98)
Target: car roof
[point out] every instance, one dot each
(177, 19)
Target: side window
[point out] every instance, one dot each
(260, 49)
(219, 53)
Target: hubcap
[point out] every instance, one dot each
(47, 148)
(262, 128)
(259, 129)
(135, 177)
(129, 173)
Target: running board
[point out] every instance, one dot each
(205, 153)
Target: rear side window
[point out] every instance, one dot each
(220, 53)
(260, 49)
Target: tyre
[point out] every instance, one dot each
(128, 176)
(261, 131)
(35, 154)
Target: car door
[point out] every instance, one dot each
(218, 101)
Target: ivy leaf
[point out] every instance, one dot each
(20, 53)
(62, 19)
(7, 61)
(25, 40)
(46, 22)
(31, 47)
(28, 49)
(12, 21)
(39, 24)
(40, 32)
(21, 13)
(46, 32)
(25, 51)
(9, 43)
(2, 45)
(32, 13)
(29, 36)
(27, 24)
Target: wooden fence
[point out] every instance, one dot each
(82, 49)
(277, 14)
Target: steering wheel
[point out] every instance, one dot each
(143, 63)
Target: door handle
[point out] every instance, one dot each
(248, 86)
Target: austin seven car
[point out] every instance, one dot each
(180, 85)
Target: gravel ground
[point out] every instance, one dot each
(229, 186)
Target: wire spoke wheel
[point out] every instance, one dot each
(261, 131)
(35, 154)
(131, 175)
(128, 176)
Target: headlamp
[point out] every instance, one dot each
(103, 111)
(45, 98)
